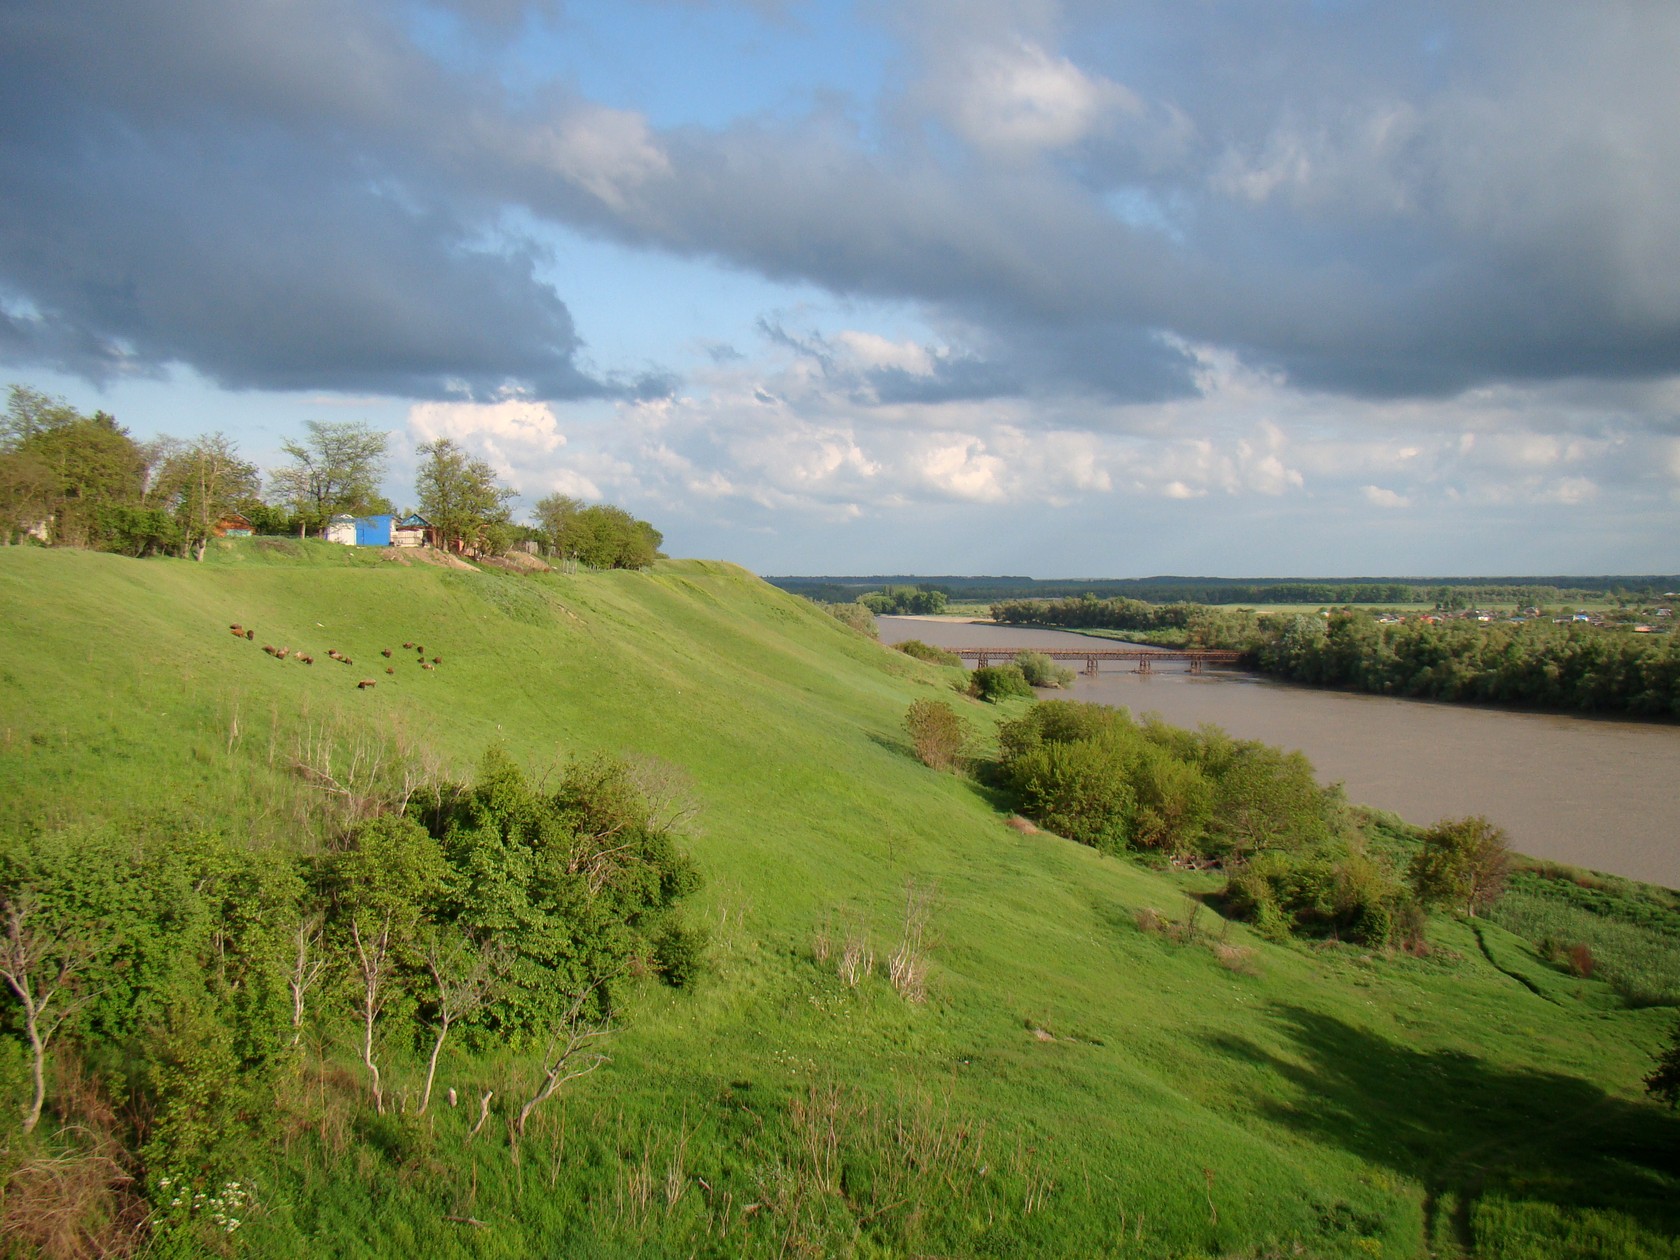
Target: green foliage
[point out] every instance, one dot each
(62, 470)
(1264, 798)
(994, 683)
(855, 616)
(335, 469)
(198, 483)
(1632, 933)
(600, 536)
(927, 652)
(1175, 801)
(937, 733)
(459, 495)
(1079, 790)
(1347, 896)
(1041, 671)
(679, 952)
(1463, 863)
(1534, 662)
(906, 601)
(571, 885)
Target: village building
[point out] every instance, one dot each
(415, 530)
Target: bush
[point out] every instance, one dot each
(854, 615)
(936, 733)
(1040, 671)
(927, 652)
(1349, 897)
(679, 953)
(1077, 790)
(993, 683)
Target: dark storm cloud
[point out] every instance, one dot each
(207, 185)
(1375, 199)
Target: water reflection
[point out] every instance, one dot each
(1595, 793)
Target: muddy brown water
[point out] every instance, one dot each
(1592, 792)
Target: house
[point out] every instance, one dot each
(341, 529)
(415, 530)
(234, 525)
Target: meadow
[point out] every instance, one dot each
(1097, 1064)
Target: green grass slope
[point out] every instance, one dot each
(1074, 1085)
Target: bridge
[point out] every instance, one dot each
(1146, 658)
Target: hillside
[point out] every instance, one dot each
(1074, 1085)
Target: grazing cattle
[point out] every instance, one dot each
(365, 684)
(426, 665)
(307, 660)
(251, 634)
(283, 653)
(409, 646)
(437, 660)
(390, 669)
(271, 649)
(238, 631)
(385, 652)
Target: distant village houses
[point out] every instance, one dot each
(384, 530)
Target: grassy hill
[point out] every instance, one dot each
(1076, 1084)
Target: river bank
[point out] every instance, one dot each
(1592, 792)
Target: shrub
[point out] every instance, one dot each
(679, 953)
(1041, 671)
(1077, 790)
(936, 733)
(927, 652)
(854, 615)
(993, 683)
(1349, 897)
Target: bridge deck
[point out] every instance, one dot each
(1145, 658)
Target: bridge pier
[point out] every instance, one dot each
(1195, 664)
(1090, 667)
(1143, 666)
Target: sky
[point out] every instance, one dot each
(1060, 288)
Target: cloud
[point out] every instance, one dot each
(1377, 496)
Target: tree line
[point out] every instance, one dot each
(1445, 593)
(84, 481)
(1535, 662)
(1574, 667)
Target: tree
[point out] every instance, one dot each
(459, 495)
(200, 482)
(1462, 863)
(383, 889)
(40, 966)
(66, 468)
(335, 469)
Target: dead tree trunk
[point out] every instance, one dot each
(373, 957)
(39, 968)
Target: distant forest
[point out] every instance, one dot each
(1457, 592)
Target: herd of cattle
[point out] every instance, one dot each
(286, 653)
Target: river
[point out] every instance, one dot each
(1599, 793)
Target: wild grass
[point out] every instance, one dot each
(1640, 960)
(1264, 1100)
